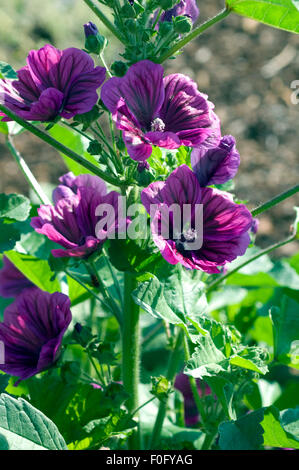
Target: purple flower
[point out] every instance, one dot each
(12, 281)
(53, 83)
(152, 110)
(72, 222)
(183, 8)
(208, 243)
(255, 225)
(32, 332)
(182, 383)
(216, 165)
(90, 29)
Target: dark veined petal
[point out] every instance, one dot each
(216, 165)
(184, 107)
(142, 90)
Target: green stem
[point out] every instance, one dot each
(91, 267)
(141, 406)
(101, 55)
(27, 172)
(158, 17)
(171, 372)
(196, 32)
(104, 20)
(193, 386)
(61, 148)
(73, 128)
(130, 351)
(276, 200)
(250, 260)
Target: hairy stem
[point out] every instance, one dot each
(171, 372)
(276, 200)
(196, 32)
(27, 172)
(131, 351)
(61, 148)
(104, 20)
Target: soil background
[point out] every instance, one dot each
(245, 67)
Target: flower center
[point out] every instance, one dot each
(188, 236)
(157, 125)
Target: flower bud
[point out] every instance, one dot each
(165, 28)
(167, 4)
(119, 68)
(182, 24)
(95, 43)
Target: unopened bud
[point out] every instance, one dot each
(182, 24)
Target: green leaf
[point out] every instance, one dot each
(250, 358)
(289, 420)
(36, 270)
(74, 141)
(14, 207)
(285, 321)
(274, 433)
(9, 235)
(207, 360)
(281, 14)
(224, 391)
(6, 71)
(246, 433)
(3, 128)
(175, 297)
(23, 427)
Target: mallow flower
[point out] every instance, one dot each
(152, 110)
(32, 332)
(53, 83)
(183, 8)
(182, 383)
(84, 215)
(216, 165)
(208, 232)
(12, 281)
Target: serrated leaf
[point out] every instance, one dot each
(23, 427)
(14, 207)
(250, 359)
(207, 360)
(246, 433)
(282, 14)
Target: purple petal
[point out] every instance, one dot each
(47, 107)
(142, 90)
(184, 107)
(12, 281)
(216, 165)
(168, 140)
